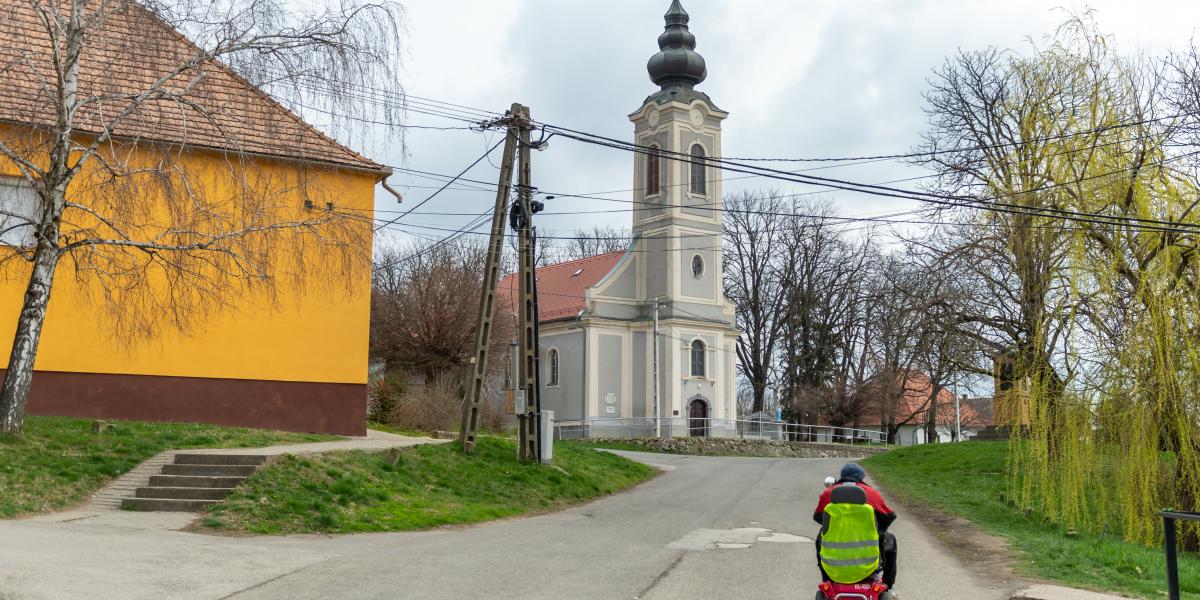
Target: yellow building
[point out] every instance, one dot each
(288, 351)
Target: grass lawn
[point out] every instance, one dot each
(967, 479)
(417, 488)
(59, 461)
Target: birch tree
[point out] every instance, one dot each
(114, 101)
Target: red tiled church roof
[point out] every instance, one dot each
(124, 57)
(561, 286)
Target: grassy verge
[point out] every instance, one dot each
(615, 445)
(967, 480)
(417, 488)
(377, 426)
(414, 432)
(59, 461)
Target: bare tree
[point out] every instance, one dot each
(602, 239)
(897, 292)
(146, 228)
(755, 278)
(824, 340)
(421, 321)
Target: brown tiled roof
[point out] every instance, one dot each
(125, 57)
(561, 286)
(913, 404)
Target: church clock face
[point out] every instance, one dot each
(697, 266)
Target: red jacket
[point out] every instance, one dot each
(884, 515)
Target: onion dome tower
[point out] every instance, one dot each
(677, 68)
(677, 63)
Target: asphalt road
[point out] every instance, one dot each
(706, 528)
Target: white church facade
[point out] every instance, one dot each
(597, 315)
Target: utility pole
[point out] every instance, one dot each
(517, 120)
(521, 217)
(657, 410)
(957, 417)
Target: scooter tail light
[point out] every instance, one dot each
(878, 587)
(825, 587)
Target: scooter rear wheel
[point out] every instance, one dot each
(821, 595)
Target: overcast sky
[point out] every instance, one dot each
(799, 79)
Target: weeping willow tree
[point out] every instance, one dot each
(1086, 265)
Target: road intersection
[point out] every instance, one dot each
(708, 527)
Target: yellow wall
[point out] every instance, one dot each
(319, 335)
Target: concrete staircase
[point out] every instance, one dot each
(193, 481)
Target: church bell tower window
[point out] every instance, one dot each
(698, 170)
(652, 171)
(697, 266)
(697, 358)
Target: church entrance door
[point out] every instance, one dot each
(698, 421)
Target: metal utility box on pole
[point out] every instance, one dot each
(517, 120)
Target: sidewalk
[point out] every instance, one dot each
(104, 507)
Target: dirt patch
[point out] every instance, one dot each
(986, 555)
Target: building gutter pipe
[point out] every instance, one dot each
(384, 183)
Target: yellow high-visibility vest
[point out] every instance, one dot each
(850, 545)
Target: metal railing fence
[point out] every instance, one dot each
(646, 427)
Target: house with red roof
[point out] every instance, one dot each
(900, 406)
(641, 342)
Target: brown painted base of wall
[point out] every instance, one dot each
(336, 408)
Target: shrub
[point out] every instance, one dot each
(383, 395)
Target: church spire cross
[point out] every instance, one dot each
(676, 64)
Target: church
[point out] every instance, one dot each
(598, 316)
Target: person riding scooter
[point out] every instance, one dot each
(845, 556)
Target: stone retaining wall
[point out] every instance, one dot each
(740, 447)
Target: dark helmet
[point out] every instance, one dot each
(853, 472)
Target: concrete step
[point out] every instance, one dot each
(165, 504)
(183, 493)
(195, 481)
(219, 459)
(209, 470)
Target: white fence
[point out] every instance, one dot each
(643, 427)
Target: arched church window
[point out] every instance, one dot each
(697, 358)
(653, 160)
(698, 171)
(552, 358)
(697, 266)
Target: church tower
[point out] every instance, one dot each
(640, 342)
(677, 197)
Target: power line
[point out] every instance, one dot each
(443, 188)
(403, 100)
(884, 191)
(459, 112)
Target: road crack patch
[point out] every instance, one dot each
(661, 576)
(733, 539)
